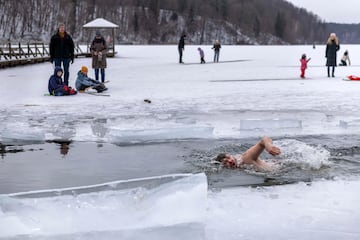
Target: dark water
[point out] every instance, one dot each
(35, 166)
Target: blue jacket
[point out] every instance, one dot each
(83, 81)
(55, 81)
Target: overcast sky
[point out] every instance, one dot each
(342, 11)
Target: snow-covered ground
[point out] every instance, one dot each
(253, 91)
(253, 88)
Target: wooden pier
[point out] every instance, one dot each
(28, 53)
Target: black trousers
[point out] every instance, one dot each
(180, 55)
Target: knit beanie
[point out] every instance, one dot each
(84, 69)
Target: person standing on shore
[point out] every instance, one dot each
(98, 52)
(62, 50)
(332, 46)
(216, 48)
(181, 47)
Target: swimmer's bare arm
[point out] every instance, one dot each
(253, 153)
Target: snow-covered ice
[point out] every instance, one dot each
(252, 83)
(254, 90)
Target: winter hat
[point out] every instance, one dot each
(98, 33)
(84, 69)
(61, 25)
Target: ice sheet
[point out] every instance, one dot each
(320, 210)
(168, 201)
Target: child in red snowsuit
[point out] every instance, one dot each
(303, 62)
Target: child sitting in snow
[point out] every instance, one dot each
(345, 58)
(56, 85)
(303, 62)
(83, 81)
(202, 55)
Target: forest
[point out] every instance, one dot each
(163, 21)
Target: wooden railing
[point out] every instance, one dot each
(26, 53)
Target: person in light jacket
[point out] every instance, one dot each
(83, 82)
(345, 59)
(202, 55)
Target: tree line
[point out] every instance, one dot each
(163, 21)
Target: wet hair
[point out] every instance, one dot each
(220, 157)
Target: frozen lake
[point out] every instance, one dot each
(196, 111)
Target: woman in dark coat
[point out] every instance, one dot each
(181, 47)
(332, 46)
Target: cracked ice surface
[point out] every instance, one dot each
(253, 85)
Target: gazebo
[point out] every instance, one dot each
(98, 24)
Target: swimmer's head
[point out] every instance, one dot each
(226, 159)
(220, 157)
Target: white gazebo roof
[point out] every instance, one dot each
(100, 23)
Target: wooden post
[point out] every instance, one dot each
(9, 44)
(28, 49)
(19, 50)
(113, 41)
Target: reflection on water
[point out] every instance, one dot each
(31, 167)
(4, 149)
(317, 208)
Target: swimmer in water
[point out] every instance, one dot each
(250, 156)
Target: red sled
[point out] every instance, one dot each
(353, 78)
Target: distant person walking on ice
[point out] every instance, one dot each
(332, 46)
(62, 50)
(216, 48)
(345, 58)
(98, 51)
(202, 55)
(181, 47)
(303, 62)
